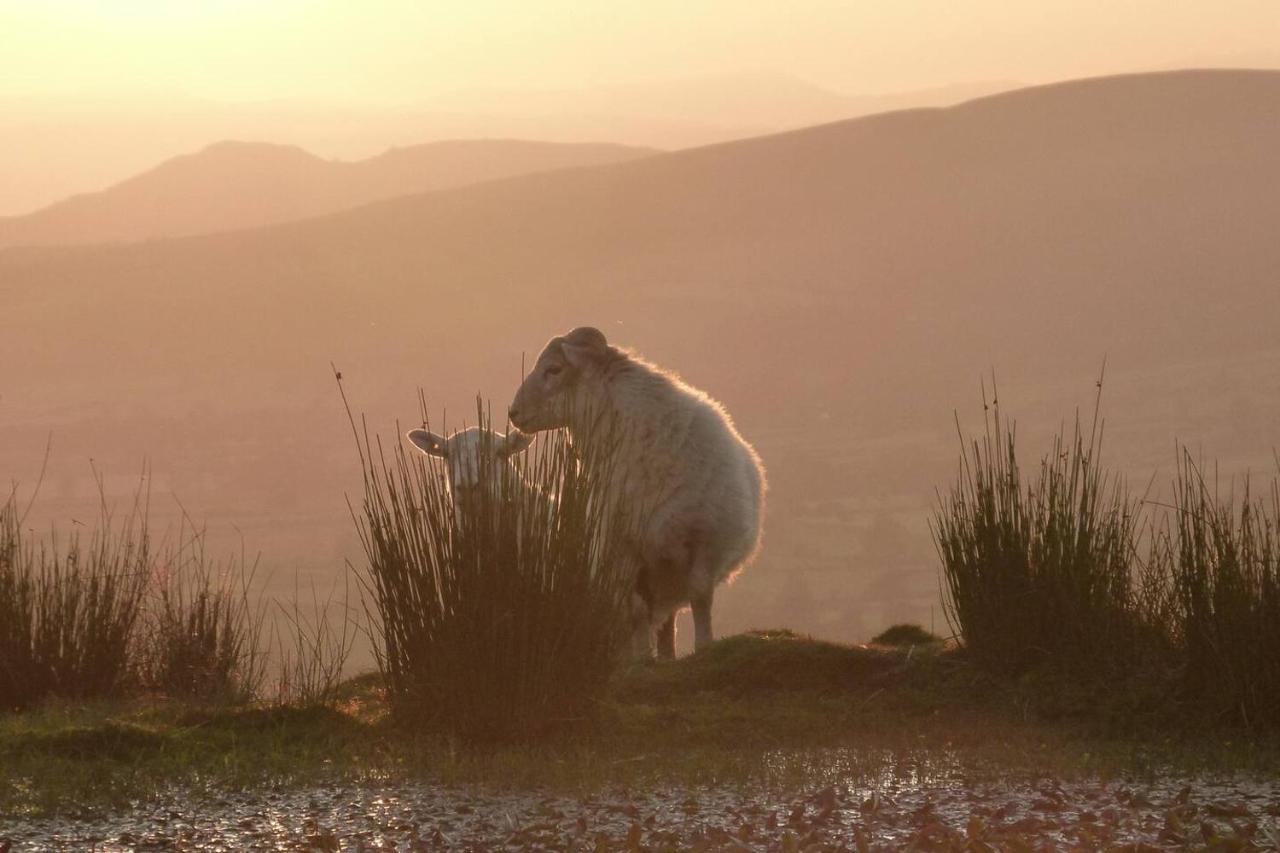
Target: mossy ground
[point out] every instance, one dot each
(766, 708)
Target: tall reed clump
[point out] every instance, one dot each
(1037, 574)
(1223, 562)
(502, 618)
(202, 634)
(68, 609)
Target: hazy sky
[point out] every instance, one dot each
(405, 49)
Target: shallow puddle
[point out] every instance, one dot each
(928, 805)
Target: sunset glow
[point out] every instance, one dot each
(395, 49)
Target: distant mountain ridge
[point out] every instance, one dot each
(42, 161)
(235, 185)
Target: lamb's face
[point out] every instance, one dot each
(470, 454)
(544, 399)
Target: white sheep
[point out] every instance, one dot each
(694, 487)
(472, 454)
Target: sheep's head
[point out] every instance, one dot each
(544, 399)
(470, 454)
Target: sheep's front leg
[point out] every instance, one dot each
(701, 621)
(641, 629)
(667, 638)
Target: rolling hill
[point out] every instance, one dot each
(843, 289)
(233, 185)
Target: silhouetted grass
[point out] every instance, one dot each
(1045, 577)
(1223, 564)
(111, 612)
(1038, 573)
(504, 621)
(68, 608)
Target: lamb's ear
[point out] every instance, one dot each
(428, 442)
(514, 442)
(583, 346)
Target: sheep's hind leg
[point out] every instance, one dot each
(701, 621)
(702, 588)
(667, 638)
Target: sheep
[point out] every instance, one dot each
(692, 485)
(471, 455)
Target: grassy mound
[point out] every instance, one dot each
(760, 662)
(905, 635)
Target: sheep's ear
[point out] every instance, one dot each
(583, 346)
(428, 442)
(514, 442)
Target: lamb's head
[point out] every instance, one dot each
(545, 398)
(471, 454)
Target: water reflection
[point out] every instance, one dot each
(881, 798)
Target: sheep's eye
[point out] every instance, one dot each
(554, 370)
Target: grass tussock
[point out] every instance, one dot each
(1221, 556)
(1107, 606)
(115, 612)
(1037, 572)
(499, 614)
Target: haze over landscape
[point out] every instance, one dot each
(840, 248)
(93, 92)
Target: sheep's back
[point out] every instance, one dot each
(685, 465)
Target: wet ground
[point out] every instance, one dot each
(896, 812)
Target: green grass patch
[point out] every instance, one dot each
(762, 709)
(111, 741)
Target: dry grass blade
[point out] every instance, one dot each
(314, 658)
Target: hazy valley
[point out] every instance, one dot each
(842, 288)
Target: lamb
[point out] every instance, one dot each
(692, 485)
(473, 454)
